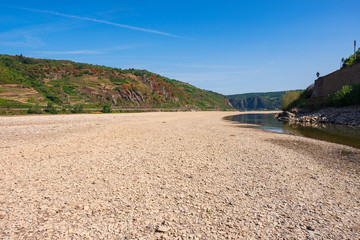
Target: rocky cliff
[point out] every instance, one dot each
(257, 101)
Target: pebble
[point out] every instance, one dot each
(254, 185)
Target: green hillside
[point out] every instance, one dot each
(26, 82)
(257, 101)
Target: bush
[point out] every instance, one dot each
(78, 108)
(346, 96)
(342, 97)
(50, 108)
(34, 109)
(351, 60)
(107, 108)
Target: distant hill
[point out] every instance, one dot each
(257, 101)
(25, 82)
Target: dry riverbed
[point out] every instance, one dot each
(185, 175)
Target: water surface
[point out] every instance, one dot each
(328, 132)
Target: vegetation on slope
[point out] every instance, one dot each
(25, 82)
(351, 60)
(257, 101)
(346, 96)
(293, 98)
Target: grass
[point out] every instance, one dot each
(13, 104)
(69, 90)
(119, 81)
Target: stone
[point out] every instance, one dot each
(162, 229)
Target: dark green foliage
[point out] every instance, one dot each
(50, 108)
(35, 109)
(25, 60)
(49, 93)
(64, 109)
(138, 72)
(346, 96)
(78, 108)
(69, 90)
(351, 60)
(107, 108)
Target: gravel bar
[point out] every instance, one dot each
(171, 175)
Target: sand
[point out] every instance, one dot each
(188, 175)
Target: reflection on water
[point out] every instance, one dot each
(329, 132)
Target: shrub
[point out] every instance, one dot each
(107, 108)
(351, 60)
(355, 93)
(346, 96)
(34, 109)
(78, 108)
(50, 108)
(342, 97)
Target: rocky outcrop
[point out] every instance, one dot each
(248, 103)
(257, 101)
(286, 116)
(131, 95)
(344, 116)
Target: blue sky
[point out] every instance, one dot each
(225, 46)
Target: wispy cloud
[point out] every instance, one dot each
(68, 52)
(29, 36)
(102, 21)
(206, 66)
(20, 39)
(90, 51)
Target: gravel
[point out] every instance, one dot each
(188, 175)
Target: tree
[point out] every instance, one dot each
(317, 74)
(78, 108)
(50, 108)
(107, 108)
(35, 109)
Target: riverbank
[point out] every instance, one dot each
(168, 175)
(344, 116)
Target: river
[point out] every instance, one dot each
(342, 134)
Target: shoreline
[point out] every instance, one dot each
(171, 175)
(343, 116)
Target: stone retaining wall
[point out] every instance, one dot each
(333, 82)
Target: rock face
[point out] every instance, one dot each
(257, 101)
(248, 103)
(344, 116)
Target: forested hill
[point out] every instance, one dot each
(28, 81)
(257, 101)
